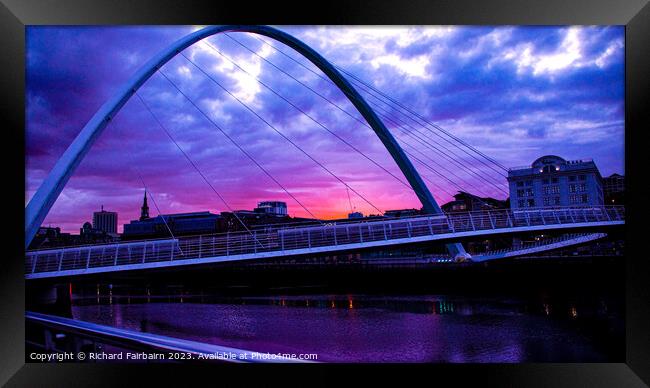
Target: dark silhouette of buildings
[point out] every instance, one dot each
(466, 202)
(166, 225)
(614, 189)
(402, 213)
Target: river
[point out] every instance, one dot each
(381, 328)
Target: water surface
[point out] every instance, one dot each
(368, 328)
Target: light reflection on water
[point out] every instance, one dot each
(358, 328)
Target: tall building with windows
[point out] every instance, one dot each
(105, 221)
(551, 181)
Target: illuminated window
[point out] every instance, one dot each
(555, 189)
(572, 188)
(547, 201)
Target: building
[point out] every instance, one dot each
(402, 213)
(144, 210)
(164, 225)
(88, 234)
(105, 221)
(48, 237)
(551, 181)
(466, 202)
(355, 215)
(276, 208)
(614, 189)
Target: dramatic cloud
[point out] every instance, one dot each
(514, 93)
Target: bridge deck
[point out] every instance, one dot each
(71, 261)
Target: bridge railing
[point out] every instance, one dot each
(308, 238)
(57, 335)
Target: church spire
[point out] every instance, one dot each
(144, 212)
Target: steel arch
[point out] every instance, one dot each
(52, 186)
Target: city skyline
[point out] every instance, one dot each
(515, 93)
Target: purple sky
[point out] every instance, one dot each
(514, 93)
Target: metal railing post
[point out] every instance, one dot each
(200, 245)
(385, 235)
(144, 252)
(35, 257)
(471, 220)
(281, 241)
(360, 234)
(88, 258)
(408, 228)
(309, 238)
(60, 260)
(430, 226)
(509, 219)
(491, 220)
(255, 241)
(227, 244)
(609, 218)
(172, 246)
(334, 231)
(117, 251)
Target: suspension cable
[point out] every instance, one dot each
(460, 165)
(427, 122)
(194, 165)
(147, 190)
(311, 117)
(280, 133)
(394, 102)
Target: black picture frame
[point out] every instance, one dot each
(634, 14)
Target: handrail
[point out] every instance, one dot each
(129, 339)
(379, 219)
(305, 239)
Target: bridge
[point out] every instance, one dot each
(434, 225)
(310, 240)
